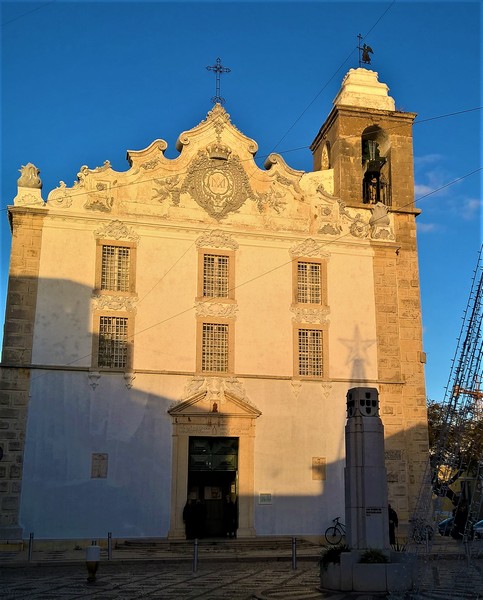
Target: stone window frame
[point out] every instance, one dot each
(96, 339)
(323, 328)
(132, 267)
(230, 254)
(199, 344)
(323, 281)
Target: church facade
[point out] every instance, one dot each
(188, 330)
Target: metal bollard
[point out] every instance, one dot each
(109, 545)
(195, 555)
(294, 553)
(31, 547)
(93, 556)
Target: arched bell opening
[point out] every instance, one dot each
(376, 166)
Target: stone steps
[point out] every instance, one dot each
(215, 544)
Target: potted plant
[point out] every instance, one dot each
(373, 556)
(330, 576)
(369, 574)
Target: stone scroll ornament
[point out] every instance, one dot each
(217, 182)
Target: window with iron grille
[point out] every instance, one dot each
(309, 286)
(215, 276)
(310, 352)
(116, 265)
(112, 342)
(214, 347)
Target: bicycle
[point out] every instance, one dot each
(335, 533)
(421, 531)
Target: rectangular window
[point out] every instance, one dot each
(215, 276)
(113, 334)
(310, 345)
(116, 268)
(309, 282)
(214, 347)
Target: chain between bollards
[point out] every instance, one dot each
(195, 555)
(294, 553)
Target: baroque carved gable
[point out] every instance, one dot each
(216, 172)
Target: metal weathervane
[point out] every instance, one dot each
(218, 68)
(364, 52)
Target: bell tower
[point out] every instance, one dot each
(368, 144)
(365, 149)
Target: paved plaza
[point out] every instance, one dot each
(161, 580)
(228, 570)
(448, 579)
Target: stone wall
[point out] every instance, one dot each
(17, 354)
(399, 332)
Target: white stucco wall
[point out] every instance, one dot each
(69, 420)
(63, 321)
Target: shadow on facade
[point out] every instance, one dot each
(102, 453)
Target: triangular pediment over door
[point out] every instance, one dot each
(223, 406)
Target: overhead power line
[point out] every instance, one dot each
(330, 79)
(264, 274)
(29, 12)
(265, 156)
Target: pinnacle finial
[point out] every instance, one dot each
(364, 52)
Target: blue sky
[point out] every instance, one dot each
(83, 82)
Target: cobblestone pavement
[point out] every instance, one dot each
(227, 581)
(260, 570)
(223, 580)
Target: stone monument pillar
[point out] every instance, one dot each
(366, 509)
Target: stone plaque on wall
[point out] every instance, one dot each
(99, 466)
(318, 468)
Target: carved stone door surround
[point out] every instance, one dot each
(201, 416)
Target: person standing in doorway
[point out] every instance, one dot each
(229, 517)
(189, 519)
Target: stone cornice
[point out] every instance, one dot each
(238, 376)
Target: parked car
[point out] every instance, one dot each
(478, 530)
(446, 526)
